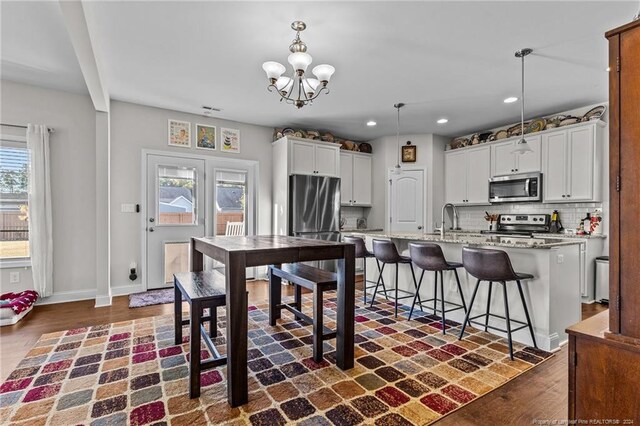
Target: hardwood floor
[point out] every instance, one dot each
(540, 394)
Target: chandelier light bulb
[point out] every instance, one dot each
(283, 84)
(274, 70)
(300, 61)
(310, 85)
(323, 72)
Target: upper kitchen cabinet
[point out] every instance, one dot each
(572, 164)
(307, 157)
(355, 176)
(467, 175)
(504, 162)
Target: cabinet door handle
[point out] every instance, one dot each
(563, 196)
(568, 195)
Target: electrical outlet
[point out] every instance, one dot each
(14, 277)
(561, 258)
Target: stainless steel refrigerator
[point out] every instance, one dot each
(314, 209)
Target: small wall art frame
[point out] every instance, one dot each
(179, 133)
(409, 153)
(230, 140)
(206, 137)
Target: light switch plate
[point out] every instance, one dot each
(128, 208)
(561, 258)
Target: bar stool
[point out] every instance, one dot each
(495, 266)
(363, 253)
(429, 257)
(386, 252)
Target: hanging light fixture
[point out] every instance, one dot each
(522, 147)
(398, 168)
(298, 90)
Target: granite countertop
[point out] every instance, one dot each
(476, 239)
(540, 235)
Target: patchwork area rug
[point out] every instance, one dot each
(151, 297)
(406, 372)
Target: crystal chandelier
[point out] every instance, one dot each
(298, 89)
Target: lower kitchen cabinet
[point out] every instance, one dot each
(603, 374)
(467, 175)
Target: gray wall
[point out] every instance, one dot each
(135, 127)
(72, 182)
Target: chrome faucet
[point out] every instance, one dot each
(455, 218)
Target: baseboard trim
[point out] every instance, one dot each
(102, 301)
(124, 290)
(67, 296)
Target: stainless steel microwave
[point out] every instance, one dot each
(515, 188)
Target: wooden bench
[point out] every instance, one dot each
(203, 290)
(314, 279)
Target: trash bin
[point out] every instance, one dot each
(602, 279)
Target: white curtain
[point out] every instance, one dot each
(40, 225)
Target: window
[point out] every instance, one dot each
(231, 196)
(177, 196)
(14, 203)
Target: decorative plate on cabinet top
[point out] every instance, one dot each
(537, 125)
(516, 130)
(459, 143)
(502, 134)
(288, 131)
(569, 120)
(594, 114)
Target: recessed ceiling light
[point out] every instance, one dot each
(442, 121)
(510, 100)
(371, 123)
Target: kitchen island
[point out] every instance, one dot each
(553, 295)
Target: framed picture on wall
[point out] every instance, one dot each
(409, 153)
(230, 140)
(205, 137)
(179, 133)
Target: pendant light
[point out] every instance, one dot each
(398, 169)
(522, 147)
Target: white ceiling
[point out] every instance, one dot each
(452, 59)
(35, 47)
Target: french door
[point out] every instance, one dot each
(175, 212)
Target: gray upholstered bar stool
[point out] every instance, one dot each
(495, 266)
(429, 257)
(363, 253)
(386, 253)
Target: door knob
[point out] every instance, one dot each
(419, 227)
(151, 220)
(151, 229)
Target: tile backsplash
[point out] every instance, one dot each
(472, 217)
(351, 215)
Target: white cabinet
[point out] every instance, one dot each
(467, 175)
(310, 158)
(503, 162)
(572, 165)
(355, 176)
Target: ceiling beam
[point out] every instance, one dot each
(76, 23)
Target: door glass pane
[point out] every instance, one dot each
(177, 196)
(231, 205)
(176, 259)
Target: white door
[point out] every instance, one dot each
(502, 160)
(346, 179)
(478, 173)
(327, 159)
(555, 160)
(362, 180)
(406, 201)
(455, 185)
(175, 208)
(580, 173)
(530, 162)
(303, 158)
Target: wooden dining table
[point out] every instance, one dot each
(240, 252)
